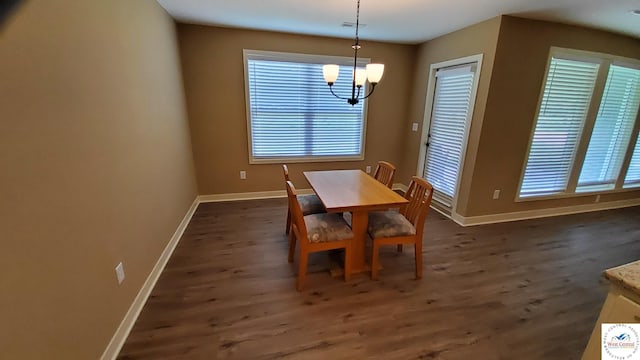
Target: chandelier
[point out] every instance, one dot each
(372, 72)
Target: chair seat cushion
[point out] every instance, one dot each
(311, 204)
(326, 227)
(384, 224)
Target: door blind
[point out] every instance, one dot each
(447, 131)
(612, 130)
(563, 108)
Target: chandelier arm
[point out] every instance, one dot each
(373, 87)
(336, 95)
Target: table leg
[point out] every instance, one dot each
(359, 221)
(360, 263)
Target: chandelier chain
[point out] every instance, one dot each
(357, 21)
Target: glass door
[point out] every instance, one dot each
(448, 130)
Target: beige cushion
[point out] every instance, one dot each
(384, 224)
(327, 227)
(311, 204)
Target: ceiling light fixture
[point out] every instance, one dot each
(372, 72)
(635, 12)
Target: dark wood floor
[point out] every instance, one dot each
(521, 290)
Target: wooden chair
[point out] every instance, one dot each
(404, 227)
(316, 232)
(384, 173)
(310, 204)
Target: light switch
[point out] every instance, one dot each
(120, 273)
(414, 127)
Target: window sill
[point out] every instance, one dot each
(577, 194)
(314, 159)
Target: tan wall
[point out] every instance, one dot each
(476, 39)
(214, 82)
(518, 73)
(95, 166)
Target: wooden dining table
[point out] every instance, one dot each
(358, 193)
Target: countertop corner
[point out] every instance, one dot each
(627, 276)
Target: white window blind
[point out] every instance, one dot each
(633, 173)
(447, 130)
(292, 114)
(563, 108)
(612, 130)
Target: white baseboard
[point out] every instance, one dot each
(534, 214)
(250, 195)
(266, 194)
(118, 339)
(400, 186)
(404, 188)
(530, 214)
(443, 213)
(459, 219)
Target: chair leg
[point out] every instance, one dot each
(288, 222)
(347, 261)
(374, 260)
(399, 247)
(418, 251)
(302, 270)
(292, 245)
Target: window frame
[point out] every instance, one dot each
(605, 61)
(248, 54)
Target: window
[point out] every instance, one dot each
(612, 131)
(633, 173)
(585, 124)
(565, 101)
(291, 113)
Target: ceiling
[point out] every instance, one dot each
(402, 21)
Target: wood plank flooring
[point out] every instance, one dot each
(522, 290)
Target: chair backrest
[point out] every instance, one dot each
(297, 217)
(419, 195)
(384, 173)
(285, 169)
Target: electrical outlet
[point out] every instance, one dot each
(120, 273)
(597, 198)
(414, 127)
(368, 169)
(496, 194)
(243, 175)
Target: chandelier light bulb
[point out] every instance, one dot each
(374, 72)
(330, 73)
(361, 76)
